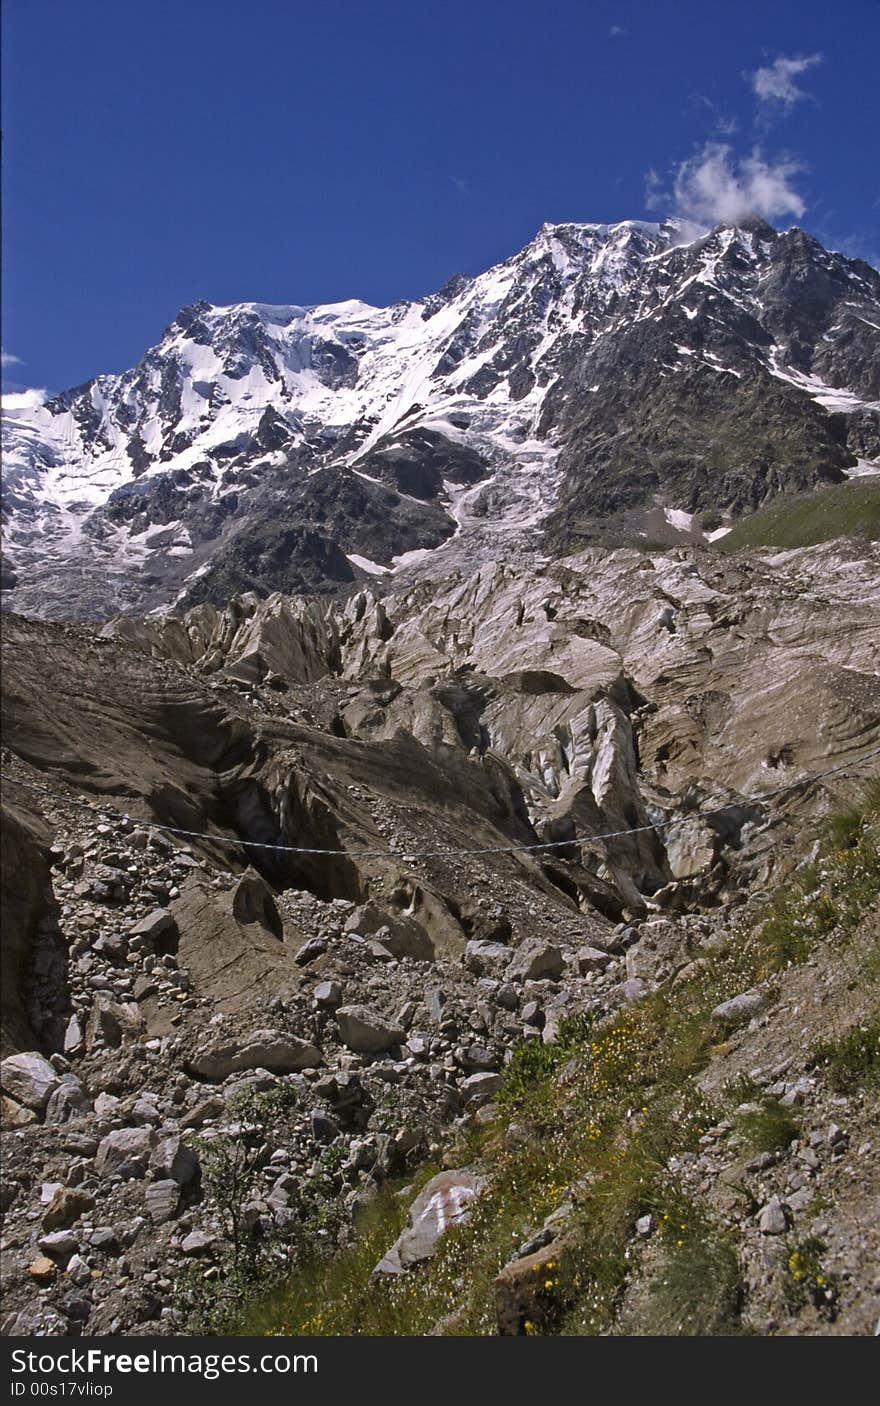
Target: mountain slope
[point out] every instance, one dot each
(602, 370)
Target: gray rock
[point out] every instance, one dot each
(157, 924)
(328, 994)
(59, 1244)
(486, 958)
(773, 1220)
(78, 1271)
(104, 1239)
(311, 951)
(324, 1129)
(740, 1009)
(480, 1087)
(29, 1079)
(591, 959)
(125, 1153)
(535, 960)
(73, 1036)
(446, 1200)
(162, 1200)
(197, 1243)
(507, 996)
(365, 1031)
(267, 1049)
(69, 1100)
(173, 1160)
(112, 1022)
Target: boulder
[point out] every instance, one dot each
(328, 994)
(162, 1200)
(254, 902)
(125, 1153)
(60, 1244)
(173, 1161)
(535, 960)
(266, 1049)
(366, 1032)
(486, 958)
(111, 1022)
(740, 1009)
(591, 959)
(773, 1218)
(446, 1200)
(69, 1100)
(197, 1243)
(311, 951)
(478, 1088)
(66, 1206)
(401, 935)
(29, 1079)
(156, 925)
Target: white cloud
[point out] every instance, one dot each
(714, 187)
(25, 400)
(776, 83)
(7, 359)
(616, 31)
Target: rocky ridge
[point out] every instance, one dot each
(374, 995)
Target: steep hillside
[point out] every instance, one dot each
(296, 891)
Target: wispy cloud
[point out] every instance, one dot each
(723, 124)
(776, 84)
(617, 31)
(8, 359)
(715, 187)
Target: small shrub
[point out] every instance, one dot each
(696, 1289)
(808, 1281)
(853, 1061)
(768, 1126)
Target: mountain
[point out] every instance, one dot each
(605, 384)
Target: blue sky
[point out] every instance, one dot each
(161, 152)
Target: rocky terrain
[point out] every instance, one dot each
(628, 383)
(225, 1044)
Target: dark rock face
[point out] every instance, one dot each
(26, 899)
(603, 373)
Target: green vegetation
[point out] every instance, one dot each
(600, 1115)
(696, 1289)
(852, 1062)
(231, 1165)
(767, 1126)
(850, 509)
(807, 1279)
(833, 894)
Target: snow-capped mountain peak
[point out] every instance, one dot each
(258, 445)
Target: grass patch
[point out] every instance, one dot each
(835, 893)
(850, 509)
(767, 1126)
(696, 1289)
(851, 1062)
